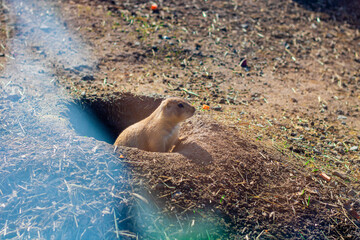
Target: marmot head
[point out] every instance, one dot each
(177, 109)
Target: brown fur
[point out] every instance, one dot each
(159, 132)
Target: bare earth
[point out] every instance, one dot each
(282, 81)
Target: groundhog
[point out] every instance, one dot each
(158, 132)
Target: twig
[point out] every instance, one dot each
(5, 227)
(258, 197)
(337, 230)
(190, 92)
(21, 126)
(140, 197)
(165, 195)
(168, 185)
(328, 204)
(342, 206)
(192, 205)
(116, 226)
(292, 55)
(207, 233)
(237, 170)
(324, 235)
(127, 234)
(262, 155)
(302, 236)
(179, 222)
(259, 234)
(293, 210)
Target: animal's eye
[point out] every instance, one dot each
(180, 105)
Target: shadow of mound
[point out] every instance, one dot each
(347, 11)
(194, 152)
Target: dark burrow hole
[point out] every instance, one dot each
(105, 117)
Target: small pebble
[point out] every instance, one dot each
(354, 148)
(244, 25)
(88, 78)
(217, 108)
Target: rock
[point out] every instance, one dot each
(45, 28)
(82, 68)
(177, 195)
(244, 25)
(224, 29)
(317, 152)
(243, 63)
(217, 108)
(14, 97)
(340, 150)
(354, 148)
(88, 78)
(341, 117)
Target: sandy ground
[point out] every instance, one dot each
(282, 82)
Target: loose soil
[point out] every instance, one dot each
(282, 81)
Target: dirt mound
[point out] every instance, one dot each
(256, 187)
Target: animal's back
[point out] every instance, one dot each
(133, 136)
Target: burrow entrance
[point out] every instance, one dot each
(105, 117)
